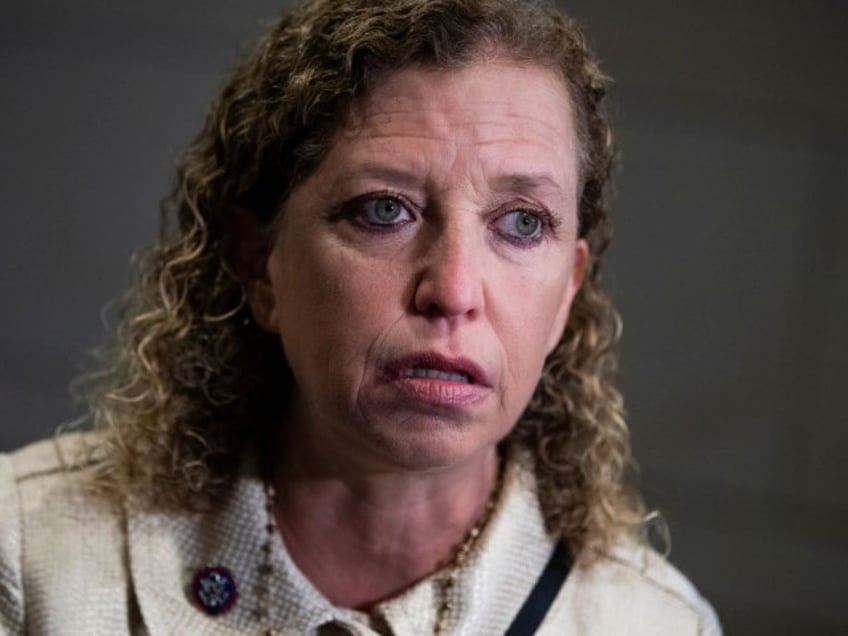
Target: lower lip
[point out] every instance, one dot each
(442, 392)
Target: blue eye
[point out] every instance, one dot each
(520, 225)
(385, 211)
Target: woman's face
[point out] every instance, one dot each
(424, 271)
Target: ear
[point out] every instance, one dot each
(579, 267)
(251, 243)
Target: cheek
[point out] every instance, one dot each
(530, 315)
(534, 309)
(333, 308)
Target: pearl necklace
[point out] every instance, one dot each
(446, 580)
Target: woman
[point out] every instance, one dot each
(362, 384)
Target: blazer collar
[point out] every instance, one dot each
(167, 550)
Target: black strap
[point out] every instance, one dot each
(543, 594)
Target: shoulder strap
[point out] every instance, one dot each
(542, 595)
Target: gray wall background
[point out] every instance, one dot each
(729, 263)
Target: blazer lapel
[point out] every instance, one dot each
(166, 551)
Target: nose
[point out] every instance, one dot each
(450, 283)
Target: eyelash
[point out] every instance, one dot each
(548, 223)
(353, 210)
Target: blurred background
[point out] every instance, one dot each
(729, 264)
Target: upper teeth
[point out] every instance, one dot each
(419, 372)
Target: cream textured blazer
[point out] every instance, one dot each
(68, 566)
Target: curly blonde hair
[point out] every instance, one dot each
(190, 379)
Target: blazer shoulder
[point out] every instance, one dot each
(70, 452)
(630, 590)
(659, 577)
(19, 472)
(61, 551)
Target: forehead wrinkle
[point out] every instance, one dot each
(381, 100)
(455, 129)
(381, 129)
(435, 123)
(375, 116)
(387, 147)
(502, 129)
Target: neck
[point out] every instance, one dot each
(361, 537)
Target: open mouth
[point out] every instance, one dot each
(435, 379)
(435, 366)
(436, 374)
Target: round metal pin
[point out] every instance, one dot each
(214, 590)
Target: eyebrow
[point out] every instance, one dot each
(527, 183)
(374, 170)
(520, 183)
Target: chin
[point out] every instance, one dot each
(428, 445)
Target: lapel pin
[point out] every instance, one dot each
(214, 590)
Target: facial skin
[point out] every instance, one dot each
(440, 234)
